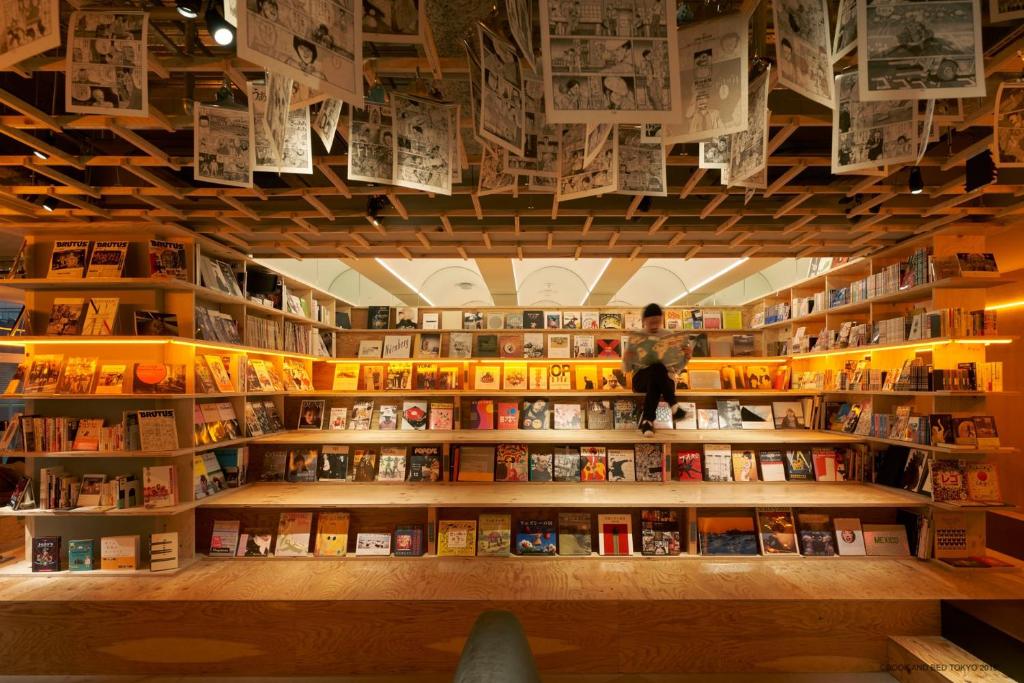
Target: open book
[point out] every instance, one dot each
(666, 349)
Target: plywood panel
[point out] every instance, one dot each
(329, 637)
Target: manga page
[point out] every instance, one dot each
(107, 64)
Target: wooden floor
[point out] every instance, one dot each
(446, 678)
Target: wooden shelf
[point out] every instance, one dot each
(940, 394)
(24, 568)
(139, 511)
(75, 284)
(747, 360)
(557, 436)
(229, 443)
(565, 495)
(98, 454)
(521, 330)
(945, 450)
(472, 393)
(118, 397)
(870, 348)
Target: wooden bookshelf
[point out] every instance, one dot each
(565, 495)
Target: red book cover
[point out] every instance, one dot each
(616, 539)
(688, 466)
(508, 415)
(482, 415)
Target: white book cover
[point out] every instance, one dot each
(397, 346)
(431, 321)
(370, 348)
(849, 536)
(293, 532)
(689, 421)
(717, 462)
(558, 346)
(451, 320)
(373, 544)
(163, 551)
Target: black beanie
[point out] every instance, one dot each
(652, 310)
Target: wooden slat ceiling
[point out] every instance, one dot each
(124, 172)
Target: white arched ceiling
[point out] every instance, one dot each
(662, 280)
(773, 278)
(556, 282)
(336, 277)
(444, 282)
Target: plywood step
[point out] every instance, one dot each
(933, 659)
(992, 630)
(439, 678)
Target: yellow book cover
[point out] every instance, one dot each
(296, 372)
(613, 378)
(111, 378)
(757, 377)
(78, 376)
(732, 319)
(346, 377)
(119, 552)
(373, 377)
(560, 377)
(262, 374)
(486, 377)
(515, 377)
(456, 538)
(744, 466)
(586, 378)
(673, 319)
(449, 377)
(399, 376)
(538, 377)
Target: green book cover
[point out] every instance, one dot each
(80, 555)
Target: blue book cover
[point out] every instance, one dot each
(80, 555)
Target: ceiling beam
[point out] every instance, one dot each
(500, 279)
(614, 277)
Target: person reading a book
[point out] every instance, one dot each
(655, 355)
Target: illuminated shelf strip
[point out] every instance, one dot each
(746, 360)
(916, 343)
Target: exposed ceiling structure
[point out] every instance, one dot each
(124, 171)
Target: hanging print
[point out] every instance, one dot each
(866, 135)
(502, 120)
(31, 27)
(107, 64)
(370, 144)
(423, 153)
(641, 164)
(223, 144)
(1009, 125)
(577, 179)
(803, 49)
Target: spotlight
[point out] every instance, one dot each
(645, 204)
(373, 207)
(50, 203)
(916, 181)
(223, 33)
(188, 8)
(41, 154)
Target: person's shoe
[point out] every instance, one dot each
(678, 412)
(646, 428)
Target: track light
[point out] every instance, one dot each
(373, 207)
(223, 33)
(41, 154)
(916, 181)
(50, 203)
(188, 8)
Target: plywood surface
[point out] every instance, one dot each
(568, 494)
(933, 659)
(532, 579)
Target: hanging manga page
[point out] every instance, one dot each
(1005, 10)
(31, 27)
(371, 144)
(325, 123)
(223, 143)
(577, 179)
(593, 142)
(641, 164)
(606, 61)
(423, 153)
(540, 149)
(866, 135)
(502, 118)
(713, 59)
(107, 64)
(846, 30)
(296, 143)
(919, 50)
(520, 24)
(1009, 125)
(748, 150)
(494, 175)
(714, 153)
(803, 49)
(315, 42)
(392, 21)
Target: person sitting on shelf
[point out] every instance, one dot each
(654, 366)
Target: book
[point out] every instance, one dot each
(158, 378)
(599, 414)
(425, 463)
(510, 346)
(568, 416)
(586, 378)
(159, 486)
(460, 345)
(481, 414)
(816, 537)
(536, 537)
(798, 465)
(514, 377)
(337, 419)
(756, 417)
(46, 554)
(985, 431)
(964, 432)
(744, 465)
(574, 533)
(537, 377)
(590, 320)
(621, 464)
(100, 317)
(219, 373)
(456, 538)
(163, 551)
(559, 346)
(441, 415)
(346, 377)
(507, 413)
(533, 320)
(888, 540)
(157, 430)
(849, 536)
(592, 463)
(659, 532)
(611, 321)
(428, 345)
(615, 534)
(535, 414)
(512, 463)
(707, 418)
(689, 466)
(772, 466)
(583, 346)
(983, 483)
(729, 414)
(370, 348)
(68, 259)
(331, 534)
(391, 464)
(155, 323)
(378, 317)
(717, 462)
(302, 464)
(397, 346)
(78, 376)
(406, 318)
(649, 462)
(167, 260)
(66, 316)
(494, 534)
(776, 531)
(625, 413)
(364, 465)
(333, 463)
(414, 415)
(407, 540)
(371, 544)
(475, 463)
(362, 413)
(486, 346)
(119, 552)
(472, 320)
(560, 377)
(311, 414)
(399, 376)
(486, 377)
(948, 481)
(542, 463)
(567, 463)
(82, 555)
(788, 414)
(726, 533)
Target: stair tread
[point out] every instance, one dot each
(933, 658)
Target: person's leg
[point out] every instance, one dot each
(668, 392)
(647, 381)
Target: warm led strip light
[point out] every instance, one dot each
(194, 343)
(745, 360)
(868, 349)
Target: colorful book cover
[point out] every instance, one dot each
(425, 463)
(772, 466)
(414, 415)
(688, 466)
(586, 378)
(481, 414)
(537, 377)
(371, 544)
(593, 466)
(625, 413)
(82, 555)
(44, 374)
(567, 463)
(456, 538)
(512, 463)
(816, 539)
(542, 463)
(302, 464)
(798, 465)
(510, 345)
(391, 464)
(536, 537)
(776, 531)
(508, 415)
(649, 462)
(849, 536)
(441, 415)
(560, 377)
(744, 465)
(568, 416)
(408, 539)
(293, 531)
(486, 377)
(615, 534)
(726, 534)
(535, 414)
(494, 535)
(983, 483)
(346, 377)
(659, 532)
(514, 377)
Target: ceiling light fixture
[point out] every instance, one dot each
(374, 205)
(50, 203)
(916, 181)
(708, 280)
(223, 33)
(404, 281)
(188, 8)
(40, 154)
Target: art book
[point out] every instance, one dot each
(816, 537)
(688, 466)
(364, 465)
(536, 537)
(512, 463)
(293, 533)
(659, 532)
(726, 533)
(567, 463)
(391, 465)
(776, 531)
(441, 415)
(456, 538)
(574, 533)
(615, 534)
(568, 416)
(425, 463)
(649, 462)
(68, 259)
(494, 534)
(331, 534)
(542, 463)
(535, 414)
(593, 464)
(333, 464)
(849, 536)
(621, 464)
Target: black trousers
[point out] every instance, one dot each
(655, 383)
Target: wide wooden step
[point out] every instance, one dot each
(933, 659)
(446, 678)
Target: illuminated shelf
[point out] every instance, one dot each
(542, 393)
(565, 494)
(940, 394)
(119, 397)
(556, 436)
(98, 454)
(548, 330)
(228, 443)
(751, 360)
(138, 511)
(75, 284)
(155, 340)
(915, 343)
